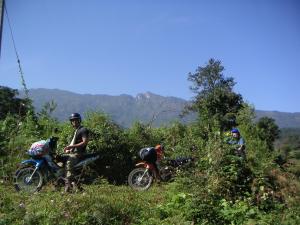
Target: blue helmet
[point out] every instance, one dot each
(235, 131)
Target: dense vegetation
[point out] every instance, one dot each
(221, 188)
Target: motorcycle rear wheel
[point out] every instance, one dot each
(139, 179)
(23, 181)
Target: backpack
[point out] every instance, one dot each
(39, 148)
(148, 154)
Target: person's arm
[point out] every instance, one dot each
(84, 142)
(241, 145)
(85, 139)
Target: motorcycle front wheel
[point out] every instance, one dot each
(28, 180)
(140, 179)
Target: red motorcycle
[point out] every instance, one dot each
(142, 177)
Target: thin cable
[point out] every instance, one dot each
(1, 22)
(17, 55)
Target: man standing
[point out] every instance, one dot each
(238, 142)
(76, 148)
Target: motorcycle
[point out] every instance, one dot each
(38, 170)
(142, 177)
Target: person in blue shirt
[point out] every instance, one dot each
(239, 143)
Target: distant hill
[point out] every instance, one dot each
(126, 109)
(283, 119)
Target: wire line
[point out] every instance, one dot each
(17, 55)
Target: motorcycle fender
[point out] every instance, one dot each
(145, 165)
(36, 163)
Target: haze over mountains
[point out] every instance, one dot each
(125, 109)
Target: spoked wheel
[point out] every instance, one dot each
(140, 179)
(28, 180)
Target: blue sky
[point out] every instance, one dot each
(134, 46)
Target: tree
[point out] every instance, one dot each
(215, 100)
(9, 103)
(268, 131)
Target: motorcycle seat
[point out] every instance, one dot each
(88, 155)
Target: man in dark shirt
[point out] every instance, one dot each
(76, 148)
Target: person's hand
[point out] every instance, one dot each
(68, 149)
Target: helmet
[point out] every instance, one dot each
(235, 131)
(75, 116)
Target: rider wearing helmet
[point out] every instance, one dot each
(239, 143)
(76, 148)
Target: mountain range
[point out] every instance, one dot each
(126, 109)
